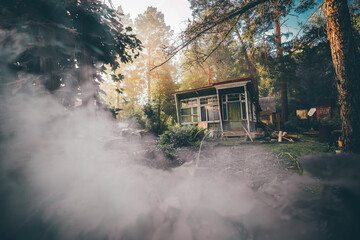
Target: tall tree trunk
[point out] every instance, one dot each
(48, 62)
(148, 77)
(249, 64)
(346, 64)
(209, 75)
(252, 58)
(279, 51)
(86, 77)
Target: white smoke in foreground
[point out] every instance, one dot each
(59, 181)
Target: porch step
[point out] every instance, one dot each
(234, 134)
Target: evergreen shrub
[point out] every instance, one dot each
(180, 136)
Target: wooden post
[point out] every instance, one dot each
(280, 136)
(247, 108)
(177, 110)
(221, 125)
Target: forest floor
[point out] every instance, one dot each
(258, 156)
(251, 161)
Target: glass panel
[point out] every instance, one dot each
(186, 111)
(195, 116)
(234, 111)
(233, 97)
(203, 101)
(224, 111)
(254, 112)
(212, 100)
(210, 113)
(243, 110)
(203, 114)
(188, 103)
(184, 103)
(216, 112)
(193, 103)
(243, 96)
(213, 112)
(223, 98)
(185, 119)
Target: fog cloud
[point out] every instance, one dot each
(60, 181)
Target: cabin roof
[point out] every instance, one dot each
(247, 79)
(268, 104)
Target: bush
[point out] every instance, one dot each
(296, 125)
(149, 119)
(180, 136)
(331, 124)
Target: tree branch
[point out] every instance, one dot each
(204, 26)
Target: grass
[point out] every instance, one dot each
(292, 152)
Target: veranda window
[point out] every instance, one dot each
(234, 108)
(189, 110)
(209, 108)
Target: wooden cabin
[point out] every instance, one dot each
(268, 114)
(231, 107)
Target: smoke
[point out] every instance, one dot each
(61, 180)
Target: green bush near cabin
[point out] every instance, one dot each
(180, 136)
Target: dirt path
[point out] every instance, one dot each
(251, 162)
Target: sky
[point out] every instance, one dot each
(176, 12)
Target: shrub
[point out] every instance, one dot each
(294, 124)
(180, 136)
(331, 124)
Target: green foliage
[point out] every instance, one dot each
(331, 124)
(180, 136)
(117, 77)
(296, 150)
(296, 125)
(153, 119)
(61, 45)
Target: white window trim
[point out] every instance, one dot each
(227, 108)
(211, 104)
(191, 110)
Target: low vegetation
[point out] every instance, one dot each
(180, 136)
(291, 152)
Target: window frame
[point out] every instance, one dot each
(191, 110)
(225, 101)
(214, 103)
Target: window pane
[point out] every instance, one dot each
(185, 119)
(195, 118)
(193, 103)
(194, 110)
(203, 100)
(184, 103)
(188, 103)
(216, 112)
(224, 111)
(186, 111)
(223, 98)
(213, 112)
(243, 96)
(254, 112)
(243, 110)
(234, 111)
(210, 113)
(212, 100)
(233, 97)
(203, 114)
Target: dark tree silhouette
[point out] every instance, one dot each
(346, 62)
(62, 45)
